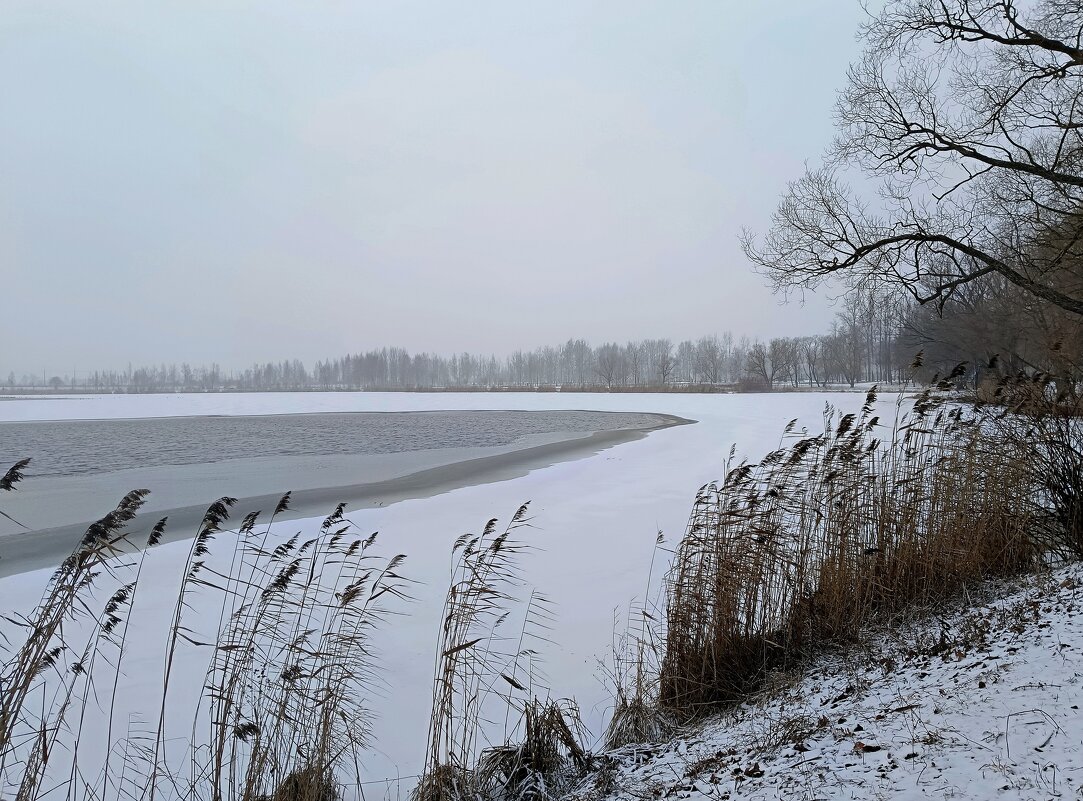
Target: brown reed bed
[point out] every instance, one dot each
(835, 530)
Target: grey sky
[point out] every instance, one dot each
(239, 181)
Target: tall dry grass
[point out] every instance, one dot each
(836, 529)
(484, 666)
(1042, 415)
(632, 671)
(472, 656)
(281, 715)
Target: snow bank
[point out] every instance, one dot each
(979, 704)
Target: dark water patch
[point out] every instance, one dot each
(79, 447)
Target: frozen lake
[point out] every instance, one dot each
(594, 523)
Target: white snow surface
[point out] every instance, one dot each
(980, 703)
(104, 407)
(595, 521)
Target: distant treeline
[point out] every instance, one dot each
(871, 339)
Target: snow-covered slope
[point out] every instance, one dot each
(981, 703)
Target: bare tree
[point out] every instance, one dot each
(843, 354)
(635, 357)
(811, 349)
(685, 367)
(769, 363)
(786, 359)
(609, 363)
(708, 360)
(993, 326)
(966, 116)
(660, 359)
(665, 361)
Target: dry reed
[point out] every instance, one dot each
(282, 713)
(541, 760)
(477, 663)
(472, 656)
(633, 672)
(833, 530)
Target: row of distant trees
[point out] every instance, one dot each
(874, 338)
(866, 342)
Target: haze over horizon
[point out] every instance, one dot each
(201, 182)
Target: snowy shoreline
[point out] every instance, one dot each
(973, 702)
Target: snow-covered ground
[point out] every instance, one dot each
(104, 407)
(983, 703)
(595, 521)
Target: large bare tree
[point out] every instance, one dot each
(959, 155)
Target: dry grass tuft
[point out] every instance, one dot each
(307, 784)
(542, 762)
(636, 720)
(445, 782)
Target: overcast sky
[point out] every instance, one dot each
(179, 181)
